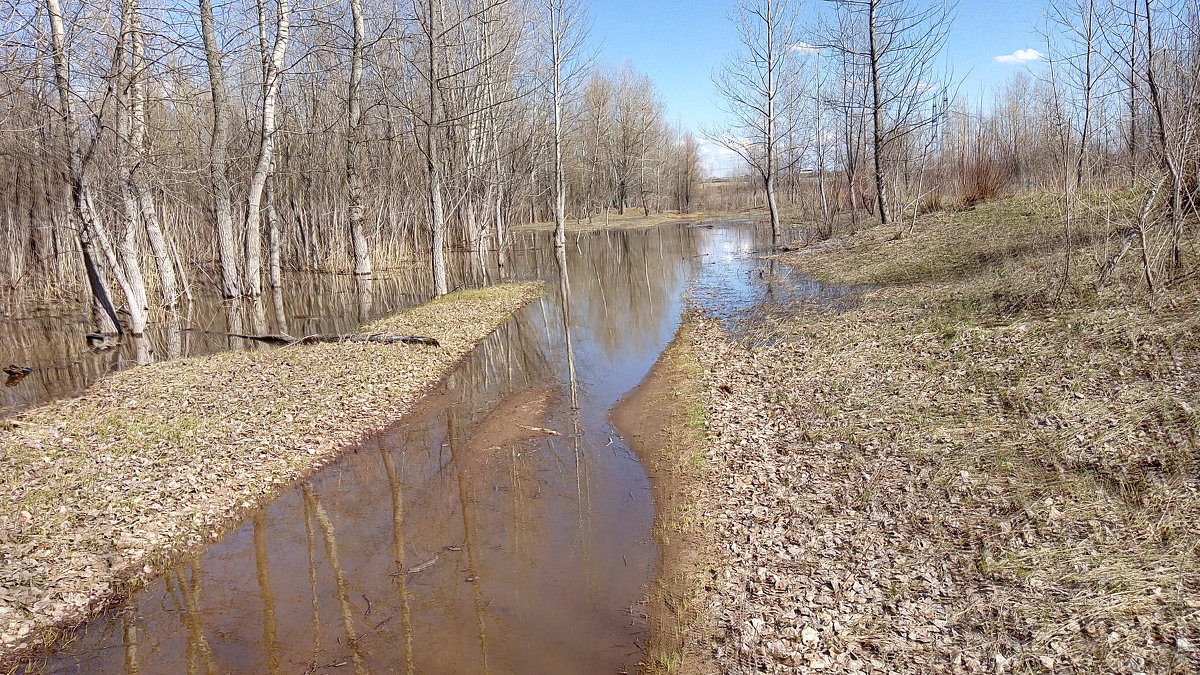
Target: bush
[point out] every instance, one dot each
(983, 180)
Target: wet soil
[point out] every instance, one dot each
(660, 421)
(520, 417)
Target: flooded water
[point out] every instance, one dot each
(497, 529)
(50, 339)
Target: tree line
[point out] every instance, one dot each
(153, 152)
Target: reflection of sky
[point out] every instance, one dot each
(735, 283)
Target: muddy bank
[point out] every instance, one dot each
(662, 420)
(101, 491)
(979, 468)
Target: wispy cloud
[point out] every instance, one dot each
(1020, 56)
(804, 47)
(717, 159)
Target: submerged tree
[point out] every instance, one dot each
(218, 155)
(356, 209)
(566, 28)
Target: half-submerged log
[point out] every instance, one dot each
(378, 338)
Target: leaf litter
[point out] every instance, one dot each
(938, 479)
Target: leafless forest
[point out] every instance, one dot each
(152, 150)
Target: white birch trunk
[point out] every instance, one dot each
(354, 184)
(103, 313)
(272, 71)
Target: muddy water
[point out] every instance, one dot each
(494, 530)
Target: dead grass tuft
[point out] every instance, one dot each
(983, 181)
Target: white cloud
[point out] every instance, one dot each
(1020, 56)
(804, 47)
(718, 160)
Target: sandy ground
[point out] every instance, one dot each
(101, 491)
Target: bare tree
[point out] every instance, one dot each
(140, 202)
(1076, 24)
(758, 90)
(354, 129)
(904, 40)
(272, 71)
(90, 228)
(565, 33)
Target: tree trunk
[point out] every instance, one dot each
(769, 174)
(218, 155)
(103, 312)
(272, 67)
(876, 115)
(130, 126)
(354, 184)
(556, 64)
(433, 171)
(274, 238)
(1168, 158)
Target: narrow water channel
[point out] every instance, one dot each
(493, 530)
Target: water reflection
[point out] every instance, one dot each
(461, 540)
(50, 337)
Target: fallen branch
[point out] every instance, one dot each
(540, 430)
(15, 374)
(379, 338)
(1129, 234)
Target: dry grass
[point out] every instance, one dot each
(987, 466)
(100, 491)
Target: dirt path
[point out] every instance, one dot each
(99, 492)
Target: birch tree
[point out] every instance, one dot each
(139, 199)
(90, 229)
(430, 20)
(565, 33)
(272, 70)
(354, 129)
(218, 154)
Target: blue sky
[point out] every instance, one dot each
(678, 43)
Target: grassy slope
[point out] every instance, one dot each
(980, 467)
(100, 490)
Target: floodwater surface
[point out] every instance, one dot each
(496, 529)
(49, 338)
